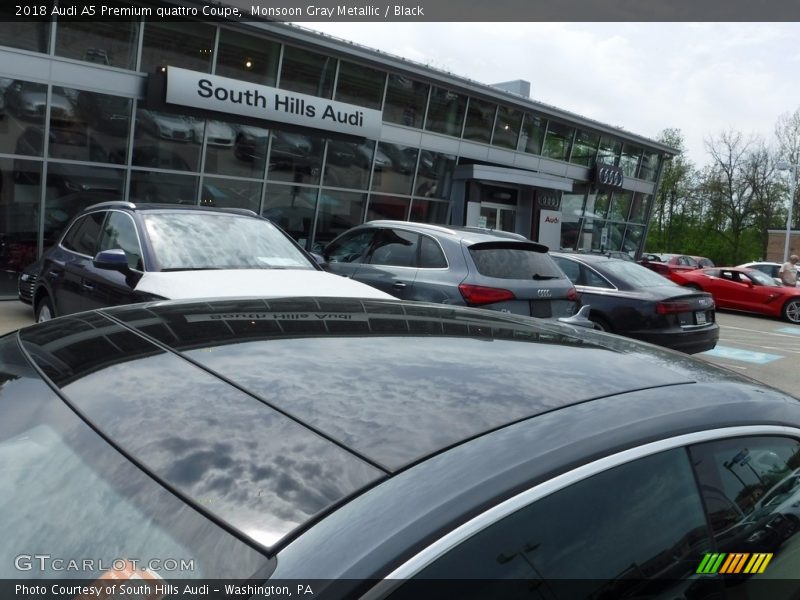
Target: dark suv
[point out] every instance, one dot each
(454, 265)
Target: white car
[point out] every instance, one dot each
(217, 133)
(769, 268)
(164, 126)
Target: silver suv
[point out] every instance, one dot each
(454, 265)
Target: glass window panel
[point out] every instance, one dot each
(431, 255)
(507, 127)
(230, 193)
(237, 150)
(394, 248)
(292, 208)
(28, 35)
(360, 85)
(446, 112)
(348, 163)
(641, 544)
(405, 101)
(633, 239)
(649, 167)
(429, 211)
(186, 44)
(388, 207)
(571, 213)
(629, 159)
(434, 174)
(152, 186)
(480, 120)
(397, 174)
(111, 43)
(249, 149)
(639, 208)
(585, 148)
(295, 157)
(84, 234)
(247, 57)
(532, 136)
(609, 151)
(166, 141)
(557, 141)
(597, 205)
(620, 206)
(307, 72)
(338, 212)
(108, 116)
(20, 194)
(27, 102)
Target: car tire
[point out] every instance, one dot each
(44, 310)
(600, 324)
(791, 311)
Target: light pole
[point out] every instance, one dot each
(785, 166)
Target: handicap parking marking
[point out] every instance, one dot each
(792, 330)
(760, 358)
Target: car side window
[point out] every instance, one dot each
(751, 487)
(82, 237)
(120, 233)
(431, 255)
(571, 269)
(633, 530)
(395, 248)
(350, 248)
(594, 279)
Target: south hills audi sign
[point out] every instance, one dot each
(231, 96)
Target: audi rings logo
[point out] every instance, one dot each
(608, 176)
(544, 293)
(548, 201)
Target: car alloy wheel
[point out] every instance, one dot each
(44, 310)
(791, 311)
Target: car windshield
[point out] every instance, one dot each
(762, 278)
(208, 240)
(635, 275)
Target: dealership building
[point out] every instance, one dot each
(313, 132)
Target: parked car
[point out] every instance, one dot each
(381, 449)
(164, 125)
(627, 299)
(748, 290)
(118, 253)
(768, 268)
(703, 262)
(452, 265)
(217, 132)
(26, 282)
(28, 100)
(668, 264)
(105, 112)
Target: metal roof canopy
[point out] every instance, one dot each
(517, 176)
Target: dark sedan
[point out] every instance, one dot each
(629, 300)
(382, 449)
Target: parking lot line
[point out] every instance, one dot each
(792, 330)
(727, 352)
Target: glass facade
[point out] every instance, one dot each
(64, 147)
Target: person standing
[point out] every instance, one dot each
(788, 271)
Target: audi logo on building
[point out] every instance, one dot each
(607, 176)
(548, 201)
(544, 293)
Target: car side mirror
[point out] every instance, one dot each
(112, 260)
(319, 259)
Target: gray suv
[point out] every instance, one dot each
(454, 265)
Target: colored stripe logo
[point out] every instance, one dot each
(734, 563)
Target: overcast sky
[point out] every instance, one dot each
(703, 78)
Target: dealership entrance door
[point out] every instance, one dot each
(498, 216)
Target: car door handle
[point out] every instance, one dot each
(54, 273)
(398, 285)
(87, 285)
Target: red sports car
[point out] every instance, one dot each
(669, 264)
(745, 289)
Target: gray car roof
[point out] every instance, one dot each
(277, 411)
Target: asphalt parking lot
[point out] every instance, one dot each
(765, 349)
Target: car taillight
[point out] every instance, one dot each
(475, 295)
(672, 307)
(572, 294)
